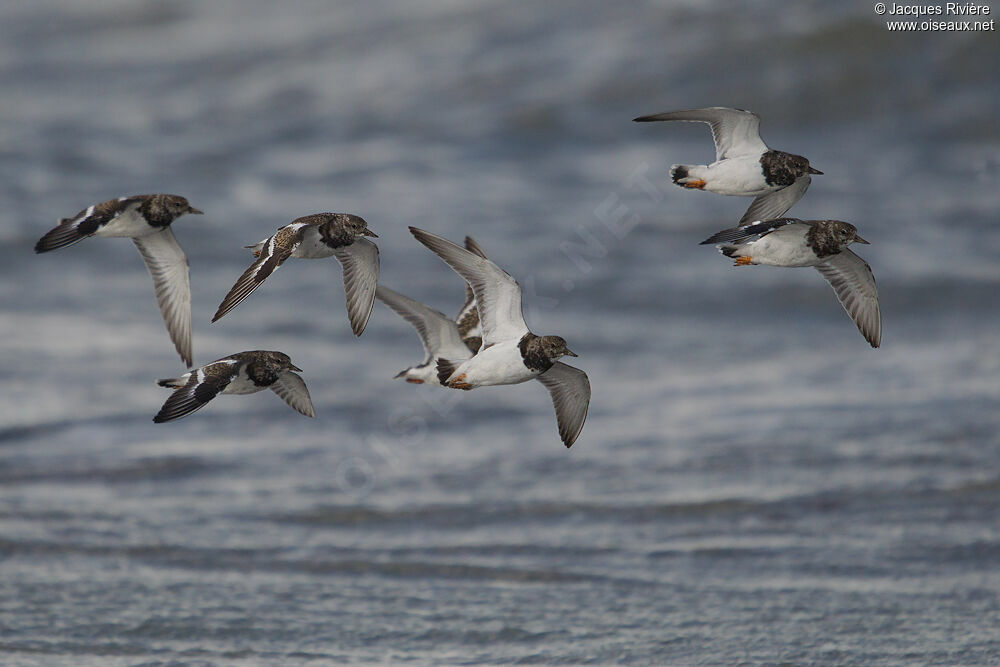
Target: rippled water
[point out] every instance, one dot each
(754, 483)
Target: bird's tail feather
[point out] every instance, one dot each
(445, 368)
(678, 172)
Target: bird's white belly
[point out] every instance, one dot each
(780, 252)
(499, 364)
(736, 176)
(130, 223)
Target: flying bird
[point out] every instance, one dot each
(510, 353)
(441, 336)
(819, 243)
(318, 236)
(146, 220)
(240, 373)
(744, 165)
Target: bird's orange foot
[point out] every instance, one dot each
(695, 185)
(460, 383)
(414, 381)
(256, 253)
(743, 261)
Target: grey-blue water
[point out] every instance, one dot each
(754, 483)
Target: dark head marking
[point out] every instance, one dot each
(161, 210)
(540, 352)
(829, 237)
(339, 229)
(782, 168)
(264, 367)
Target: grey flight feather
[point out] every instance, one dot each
(293, 391)
(438, 333)
(735, 132)
(168, 265)
(852, 279)
(776, 203)
(498, 295)
(360, 262)
(569, 388)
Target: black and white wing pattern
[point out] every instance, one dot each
(360, 263)
(292, 389)
(498, 296)
(202, 386)
(86, 223)
(273, 253)
(736, 132)
(569, 388)
(853, 281)
(168, 265)
(747, 233)
(776, 203)
(437, 332)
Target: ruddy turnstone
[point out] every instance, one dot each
(744, 165)
(240, 373)
(819, 243)
(510, 353)
(315, 237)
(146, 220)
(439, 334)
(452, 339)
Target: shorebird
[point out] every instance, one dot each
(819, 243)
(146, 220)
(510, 353)
(317, 236)
(744, 165)
(240, 373)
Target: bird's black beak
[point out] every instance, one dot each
(813, 170)
(858, 239)
(192, 209)
(294, 367)
(368, 232)
(571, 353)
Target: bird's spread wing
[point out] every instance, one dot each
(273, 253)
(853, 281)
(747, 233)
(776, 203)
(292, 390)
(498, 296)
(472, 245)
(735, 132)
(201, 388)
(438, 333)
(360, 263)
(85, 223)
(168, 265)
(570, 391)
